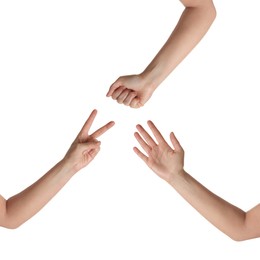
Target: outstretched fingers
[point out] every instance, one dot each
(158, 136)
(146, 136)
(140, 154)
(84, 130)
(102, 130)
(175, 142)
(141, 141)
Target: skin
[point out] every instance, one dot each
(168, 163)
(136, 90)
(21, 207)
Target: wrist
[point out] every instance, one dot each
(66, 168)
(150, 79)
(155, 73)
(176, 177)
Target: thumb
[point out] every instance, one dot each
(90, 145)
(91, 152)
(94, 152)
(136, 103)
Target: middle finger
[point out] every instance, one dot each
(146, 136)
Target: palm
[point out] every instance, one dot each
(161, 158)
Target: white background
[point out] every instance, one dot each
(57, 61)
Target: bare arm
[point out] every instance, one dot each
(194, 22)
(168, 164)
(196, 19)
(231, 220)
(21, 207)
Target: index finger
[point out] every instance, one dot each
(84, 130)
(158, 136)
(112, 88)
(146, 136)
(102, 130)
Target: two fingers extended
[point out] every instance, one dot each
(83, 135)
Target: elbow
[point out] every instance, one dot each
(245, 230)
(207, 8)
(237, 238)
(241, 235)
(12, 225)
(209, 11)
(241, 238)
(212, 13)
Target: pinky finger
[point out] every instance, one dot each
(176, 145)
(140, 154)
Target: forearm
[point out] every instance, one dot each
(27, 203)
(223, 215)
(192, 26)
